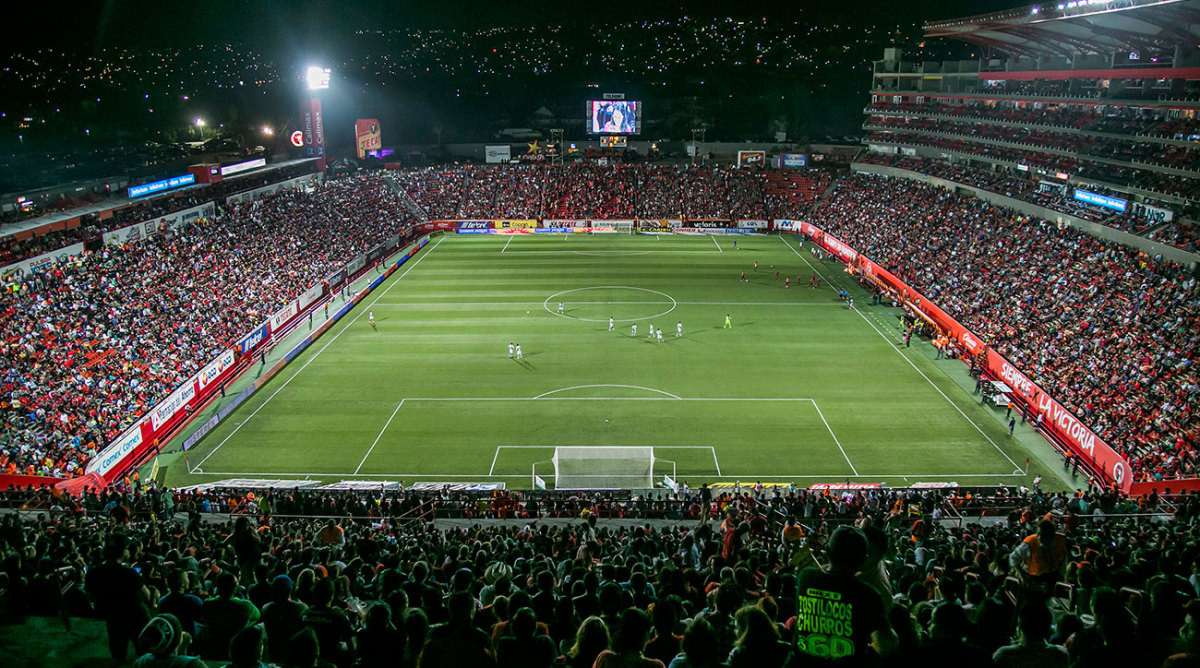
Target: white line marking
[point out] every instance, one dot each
(914, 366)
(494, 458)
(715, 462)
(830, 476)
(580, 387)
(535, 303)
(506, 243)
(331, 341)
(835, 438)
(376, 442)
(627, 252)
(607, 399)
(939, 391)
(714, 238)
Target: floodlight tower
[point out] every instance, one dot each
(311, 122)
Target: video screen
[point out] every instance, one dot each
(616, 117)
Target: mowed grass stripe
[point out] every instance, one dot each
(889, 419)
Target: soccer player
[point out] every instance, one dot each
(679, 329)
(518, 351)
(812, 281)
(743, 275)
(735, 244)
(728, 322)
(610, 323)
(652, 330)
(371, 319)
(510, 350)
(633, 329)
(787, 281)
(756, 265)
(659, 334)
(851, 303)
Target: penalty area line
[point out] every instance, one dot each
(385, 426)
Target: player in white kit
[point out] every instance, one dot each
(610, 323)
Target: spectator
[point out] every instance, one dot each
(224, 616)
(631, 639)
(163, 642)
(1032, 649)
(758, 644)
(590, 640)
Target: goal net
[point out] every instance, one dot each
(603, 467)
(613, 227)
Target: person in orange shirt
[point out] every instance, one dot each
(1041, 559)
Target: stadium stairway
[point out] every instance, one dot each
(408, 202)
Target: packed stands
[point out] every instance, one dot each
(1133, 220)
(92, 226)
(364, 579)
(1110, 331)
(92, 343)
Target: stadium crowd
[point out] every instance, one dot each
(1134, 219)
(1111, 119)
(1169, 184)
(1108, 331)
(92, 225)
(581, 191)
(1059, 580)
(93, 342)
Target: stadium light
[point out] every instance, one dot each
(199, 122)
(268, 130)
(317, 78)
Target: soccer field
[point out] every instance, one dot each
(800, 388)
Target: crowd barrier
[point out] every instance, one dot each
(1056, 422)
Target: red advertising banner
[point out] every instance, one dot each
(1056, 419)
(367, 136)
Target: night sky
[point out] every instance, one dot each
(308, 25)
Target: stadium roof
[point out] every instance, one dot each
(1069, 28)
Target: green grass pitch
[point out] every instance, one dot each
(800, 388)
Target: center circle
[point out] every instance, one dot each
(610, 295)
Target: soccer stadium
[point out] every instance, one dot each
(623, 387)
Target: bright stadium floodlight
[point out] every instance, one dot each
(317, 77)
(199, 122)
(268, 130)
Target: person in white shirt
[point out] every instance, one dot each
(560, 307)
(679, 328)
(659, 333)
(610, 323)
(518, 351)
(633, 329)
(652, 330)
(510, 350)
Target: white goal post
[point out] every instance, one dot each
(603, 467)
(613, 226)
